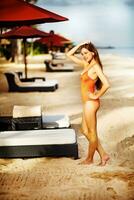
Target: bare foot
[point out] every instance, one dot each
(86, 162)
(104, 160)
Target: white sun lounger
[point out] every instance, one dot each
(15, 85)
(51, 68)
(37, 143)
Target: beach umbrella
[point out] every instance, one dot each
(24, 32)
(18, 12)
(54, 40)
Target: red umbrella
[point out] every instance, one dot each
(19, 12)
(54, 40)
(23, 33)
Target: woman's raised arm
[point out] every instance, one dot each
(70, 54)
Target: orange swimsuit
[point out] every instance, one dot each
(87, 85)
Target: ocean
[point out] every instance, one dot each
(127, 52)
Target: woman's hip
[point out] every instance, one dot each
(91, 104)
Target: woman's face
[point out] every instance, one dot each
(87, 55)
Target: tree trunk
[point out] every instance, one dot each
(13, 49)
(16, 50)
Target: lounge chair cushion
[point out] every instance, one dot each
(26, 111)
(55, 121)
(56, 142)
(15, 85)
(58, 68)
(26, 117)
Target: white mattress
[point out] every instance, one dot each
(66, 67)
(50, 121)
(26, 111)
(37, 137)
(47, 83)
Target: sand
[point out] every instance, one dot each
(63, 178)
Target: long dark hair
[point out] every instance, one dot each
(93, 49)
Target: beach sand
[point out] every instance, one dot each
(63, 178)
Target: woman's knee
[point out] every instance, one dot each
(85, 132)
(93, 137)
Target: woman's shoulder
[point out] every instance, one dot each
(96, 66)
(92, 66)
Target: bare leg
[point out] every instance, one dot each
(93, 122)
(90, 108)
(104, 156)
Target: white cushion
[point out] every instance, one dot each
(26, 111)
(37, 137)
(60, 121)
(66, 67)
(47, 83)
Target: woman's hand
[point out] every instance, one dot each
(71, 53)
(82, 43)
(92, 96)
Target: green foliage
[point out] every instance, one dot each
(5, 52)
(37, 51)
(39, 48)
(36, 48)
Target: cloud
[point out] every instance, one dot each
(78, 2)
(129, 2)
(67, 2)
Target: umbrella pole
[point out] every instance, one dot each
(0, 40)
(1, 30)
(25, 60)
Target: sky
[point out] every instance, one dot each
(104, 22)
(76, 2)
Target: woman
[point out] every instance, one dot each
(93, 85)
